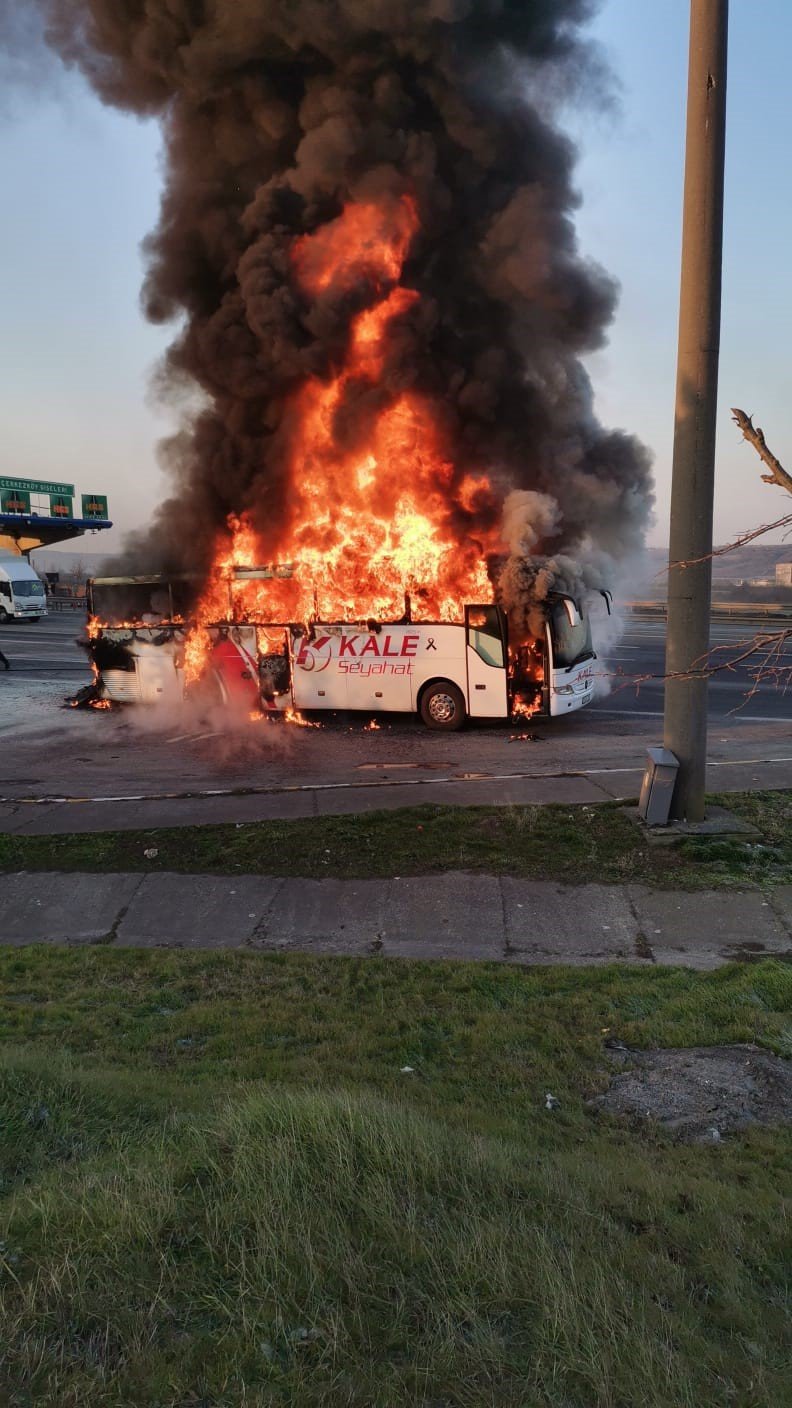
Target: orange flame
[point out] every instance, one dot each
(293, 716)
(370, 517)
(366, 241)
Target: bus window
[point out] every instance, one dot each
(571, 643)
(485, 634)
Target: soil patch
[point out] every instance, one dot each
(700, 1093)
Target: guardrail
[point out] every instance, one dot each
(66, 603)
(775, 610)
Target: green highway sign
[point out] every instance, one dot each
(61, 506)
(37, 486)
(14, 501)
(94, 506)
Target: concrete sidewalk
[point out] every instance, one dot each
(58, 815)
(456, 915)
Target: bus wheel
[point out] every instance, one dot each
(443, 706)
(4, 616)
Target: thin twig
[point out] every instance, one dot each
(755, 437)
(769, 642)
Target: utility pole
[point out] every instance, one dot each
(689, 588)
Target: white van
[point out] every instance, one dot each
(23, 596)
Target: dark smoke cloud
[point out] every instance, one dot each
(277, 112)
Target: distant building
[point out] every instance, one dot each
(783, 577)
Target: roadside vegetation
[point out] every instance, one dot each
(220, 1185)
(573, 844)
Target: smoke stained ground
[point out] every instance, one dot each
(275, 117)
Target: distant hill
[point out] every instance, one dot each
(753, 561)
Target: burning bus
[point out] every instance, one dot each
(147, 645)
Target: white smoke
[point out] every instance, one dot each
(529, 518)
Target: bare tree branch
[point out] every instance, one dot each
(772, 668)
(755, 437)
(785, 522)
(765, 658)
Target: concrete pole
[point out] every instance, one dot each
(689, 588)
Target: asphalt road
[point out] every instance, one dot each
(47, 649)
(641, 651)
(47, 652)
(64, 769)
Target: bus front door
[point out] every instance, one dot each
(486, 663)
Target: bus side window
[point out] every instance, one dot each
(5, 590)
(485, 636)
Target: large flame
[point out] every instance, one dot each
(365, 525)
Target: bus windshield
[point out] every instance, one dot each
(28, 588)
(571, 644)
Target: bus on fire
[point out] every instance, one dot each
(140, 630)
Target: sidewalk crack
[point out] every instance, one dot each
(260, 938)
(643, 948)
(111, 936)
(508, 948)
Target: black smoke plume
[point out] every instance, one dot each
(276, 113)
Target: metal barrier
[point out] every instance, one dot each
(66, 603)
(773, 610)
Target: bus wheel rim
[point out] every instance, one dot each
(442, 708)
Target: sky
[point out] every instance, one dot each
(81, 184)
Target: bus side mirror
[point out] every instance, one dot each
(608, 599)
(573, 615)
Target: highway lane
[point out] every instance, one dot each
(640, 651)
(47, 649)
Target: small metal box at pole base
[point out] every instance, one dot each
(657, 787)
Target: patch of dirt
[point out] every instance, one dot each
(701, 1093)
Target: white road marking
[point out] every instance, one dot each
(193, 737)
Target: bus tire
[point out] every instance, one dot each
(4, 616)
(442, 706)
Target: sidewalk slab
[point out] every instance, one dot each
(197, 911)
(705, 929)
(619, 786)
(445, 916)
(325, 916)
(454, 915)
(748, 776)
(468, 792)
(57, 818)
(52, 908)
(550, 923)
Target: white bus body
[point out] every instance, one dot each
(23, 596)
(445, 672)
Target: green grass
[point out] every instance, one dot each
(219, 1188)
(573, 844)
